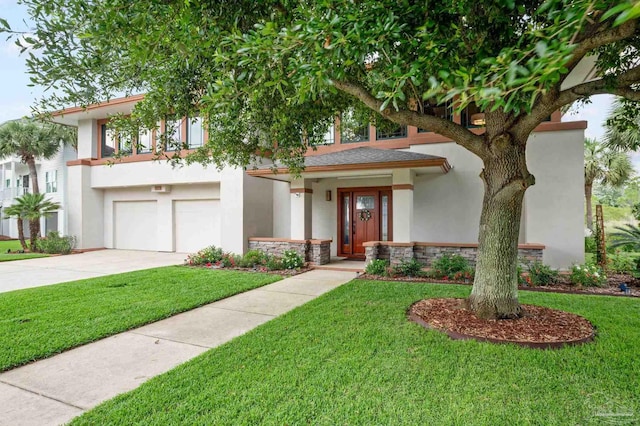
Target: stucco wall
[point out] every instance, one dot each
(555, 204)
(151, 173)
(258, 207)
(281, 210)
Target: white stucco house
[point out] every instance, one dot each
(52, 180)
(393, 195)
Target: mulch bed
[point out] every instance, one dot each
(283, 272)
(540, 327)
(562, 286)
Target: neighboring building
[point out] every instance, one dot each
(363, 186)
(52, 180)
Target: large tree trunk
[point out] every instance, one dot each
(23, 243)
(34, 229)
(587, 195)
(506, 178)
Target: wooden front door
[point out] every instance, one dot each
(365, 215)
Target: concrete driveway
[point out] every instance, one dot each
(58, 269)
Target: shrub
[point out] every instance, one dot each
(55, 243)
(590, 244)
(274, 263)
(541, 274)
(448, 265)
(229, 260)
(588, 276)
(377, 267)
(522, 280)
(209, 255)
(408, 268)
(292, 260)
(253, 258)
(620, 264)
(467, 275)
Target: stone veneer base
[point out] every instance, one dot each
(426, 253)
(316, 251)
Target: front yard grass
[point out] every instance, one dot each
(39, 322)
(13, 246)
(352, 357)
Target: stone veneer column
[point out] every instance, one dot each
(402, 205)
(301, 213)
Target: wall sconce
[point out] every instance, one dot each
(327, 195)
(478, 119)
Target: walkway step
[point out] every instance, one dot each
(54, 390)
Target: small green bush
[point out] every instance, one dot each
(292, 260)
(621, 264)
(447, 265)
(253, 258)
(590, 244)
(274, 263)
(588, 276)
(541, 274)
(55, 243)
(209, 255)
(377, 267)
(408, 268)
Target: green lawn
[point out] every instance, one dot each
(15, 245)
(39, 322)
(352, 357)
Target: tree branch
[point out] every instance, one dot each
(599, 39)
(456, 132)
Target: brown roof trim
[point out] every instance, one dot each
(435, 162)
(111, 102)
(402, 186)
(80, 162)
(301, 191)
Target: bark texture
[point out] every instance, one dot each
(23, 243)
(506, 178)
(34, 230)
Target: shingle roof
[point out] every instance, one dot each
(363, 155)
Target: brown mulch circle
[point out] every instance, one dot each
(540, 327)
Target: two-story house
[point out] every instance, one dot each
(364, 192)
(52, 180)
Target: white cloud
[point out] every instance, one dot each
(13, 111)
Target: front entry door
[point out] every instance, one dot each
(365, 215)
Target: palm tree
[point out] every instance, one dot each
(32, 207)
(623, 127)
(626, 235)
(603, 165)
(29, 140)
(16, 211)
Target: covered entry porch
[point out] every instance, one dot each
(345, 199)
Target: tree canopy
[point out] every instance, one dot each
(279, 70)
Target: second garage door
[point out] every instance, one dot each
(135, 225)
(197, 224)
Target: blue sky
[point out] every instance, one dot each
(16, 97)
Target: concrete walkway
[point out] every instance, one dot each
(20, 274)
(55, 390)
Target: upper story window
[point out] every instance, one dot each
(352, 129)
(51, 179)
(394, 132)
(472, 117)
(330, 137)
(108, 144)
(174, 134)
(145, 142)
(444, 111)
(195, 132)
(7, 183)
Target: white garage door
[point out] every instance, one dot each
(135, 225)
(197, 224)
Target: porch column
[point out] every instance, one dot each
(301, 194)
(402, 182)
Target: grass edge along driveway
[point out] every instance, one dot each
(352, 357)
(40, 322)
